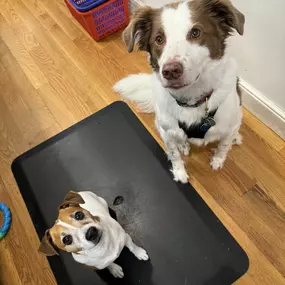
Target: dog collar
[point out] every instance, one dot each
(203, 99)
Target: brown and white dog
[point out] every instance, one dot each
(193, 89)
(85, 228)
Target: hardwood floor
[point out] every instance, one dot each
(52, 75)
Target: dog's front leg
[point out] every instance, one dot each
(175, 140)
(178, 167)
(220, 154)
(138, 252)
(170, 139)
(116, 270)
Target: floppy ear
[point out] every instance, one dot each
(139, 29)
(239, 20)
(227, 15)
(71, 199)
(47, 247)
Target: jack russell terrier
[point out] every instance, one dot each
(85, 228)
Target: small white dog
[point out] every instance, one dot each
(193, 89)
(85, 229)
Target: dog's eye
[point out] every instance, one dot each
(159, 40)
(67, 240)
(195, 33)
(79, 216)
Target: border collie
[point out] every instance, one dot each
(193, 89)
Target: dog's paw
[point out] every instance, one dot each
(237, 140)
(116, 270)
(217, 162)
(184, 148)
(180, 175)
(141, 254)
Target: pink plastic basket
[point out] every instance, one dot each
(103, 20)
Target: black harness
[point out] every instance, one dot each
(200, 129)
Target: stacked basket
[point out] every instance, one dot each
(100, 18)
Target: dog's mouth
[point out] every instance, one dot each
(177, 85)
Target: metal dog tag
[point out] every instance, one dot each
(207, 123)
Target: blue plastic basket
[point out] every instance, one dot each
(86, 5)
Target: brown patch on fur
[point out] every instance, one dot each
(56, 233)
(156, 50)
(47, 246)
(139, 29)
(143, 30)
(66, 215)
(216, 19)
(53, 238)
(71, 199)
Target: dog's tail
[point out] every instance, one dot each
(137, 88)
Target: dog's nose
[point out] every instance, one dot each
(91, 234)
(172, 70)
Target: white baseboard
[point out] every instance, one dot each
(134, 4)
(265, 110)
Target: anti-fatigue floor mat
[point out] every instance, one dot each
(112, 154)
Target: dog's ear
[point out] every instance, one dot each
(47, 247)
(71, 199)
(226, 14)
(139, 29)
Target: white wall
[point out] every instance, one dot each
(261, 51)
(260, 54)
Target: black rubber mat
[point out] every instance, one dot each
(112, 154)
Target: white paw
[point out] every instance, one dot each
(141, 254)
(217, 163)
(116, 270)
(184, 148)
(238, 139)
(180, 175)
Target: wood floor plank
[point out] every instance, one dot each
(15, 22)
(282, 153)
(30, 68)
(265, 133)
(71, 29)
(22, 99)
(258, 163)
(67, 56)
(53, 74)
(50, 55)
(36, 7)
